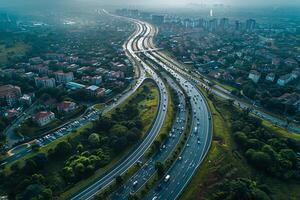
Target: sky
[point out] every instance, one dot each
(148, 3)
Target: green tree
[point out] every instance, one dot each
(94, 139)
(160, 168)
(63, 149)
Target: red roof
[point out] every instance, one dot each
(65, 104)
(42, 114)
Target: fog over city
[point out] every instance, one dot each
(153, 3)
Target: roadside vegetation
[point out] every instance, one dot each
(155, 147)
(247, 159)
(78, 159)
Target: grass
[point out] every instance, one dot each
(99, 106)
(223, 160)
(281, 131)
(6, 53)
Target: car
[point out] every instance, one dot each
(135, 183)
(167, 178)
(155, 198)
(179, 158)
(198, 141)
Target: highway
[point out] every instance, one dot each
(197, 144)
(148, 168)
(102, 182)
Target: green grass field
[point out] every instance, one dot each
(6, 53)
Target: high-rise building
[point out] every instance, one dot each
(45, 82)
(238, 25)
(212, 25)
(250, 24)
(62, 77)
(224, 23)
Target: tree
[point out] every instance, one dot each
(160, 168)
(119, 130)
(79, 169)
(94, 139)
(79, 148)
(30, 167)
(119, 180)
(241, 138)
(120, 144)
(46, 194)
(261, 160)
(63, 149)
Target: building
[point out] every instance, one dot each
(296, 73)
(238, 25)
(158, 19)
(270, 77)
(250, 24)
(62, 77)
(9, 94)
(96, 80)
(212, 25)
(43, 118)
(254, 76)
(74, 86)
(66, 106)
(291, 99)
(285, 79)
(45, 82)
(36, 60)
(26, 99)
(95, 91)
(224, 23)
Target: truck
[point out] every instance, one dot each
(167, 178)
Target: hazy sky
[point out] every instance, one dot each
(149, 3)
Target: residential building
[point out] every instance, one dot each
(62, 77)
(45, 82)
(292, 99)
(285, 79)
(66, 106)
(74, 86)
(9, 94)
(43, 118)
(36, 60)
(254, 76)
(26, 99)
(96, 80)
(270, 77)
(95, 91)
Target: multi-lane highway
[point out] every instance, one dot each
(197, 144)
(90, 191)
(148, 169)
